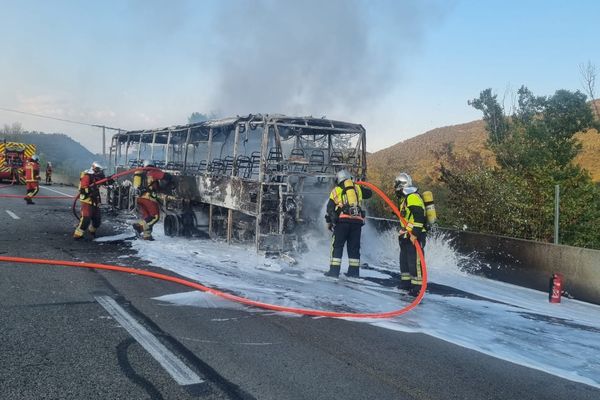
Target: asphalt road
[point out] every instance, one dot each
(68, 333)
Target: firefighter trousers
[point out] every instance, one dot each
(347, 233)
(150, 211)
(90, 218)
(411, 272)
(32, 189)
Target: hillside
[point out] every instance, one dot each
(67, 156)
(589, 158)
(416, 155)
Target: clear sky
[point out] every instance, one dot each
(398, 67)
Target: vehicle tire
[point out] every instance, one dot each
(172, 225)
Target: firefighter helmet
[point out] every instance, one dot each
(148, 163)
(403, 180)
(342, 175)
(404, 185)
(96, 167)
(35, 158)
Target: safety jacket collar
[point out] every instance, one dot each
(409, 190)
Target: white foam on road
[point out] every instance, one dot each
(115, 238)
(514, 323)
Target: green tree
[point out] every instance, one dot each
(14, 129)
(493, 115)
(534, 149)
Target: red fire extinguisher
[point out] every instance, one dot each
(556, 287)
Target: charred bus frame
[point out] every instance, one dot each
(259, 175)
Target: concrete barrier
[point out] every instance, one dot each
(529, 263)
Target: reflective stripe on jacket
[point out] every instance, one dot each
(407, 210)
(32, 172)
(348, 200)
(89, 191)
(147, 183)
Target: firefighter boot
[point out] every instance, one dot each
(138, 227)
(414, 290)
(334, 271)
(78, 234)
(146, 231)
(28, 200)
(353, 271)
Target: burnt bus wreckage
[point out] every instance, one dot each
(259, 177)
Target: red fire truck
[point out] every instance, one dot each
(12, 159)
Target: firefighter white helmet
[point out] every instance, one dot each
(404, 185)
(96, 167)
(35, 158)
(148, 163)
(403, 180)
(342, 175)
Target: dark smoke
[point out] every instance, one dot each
(315, 57)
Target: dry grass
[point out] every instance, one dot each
(416, 155)
(589, 158)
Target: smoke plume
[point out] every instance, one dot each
(315, 57)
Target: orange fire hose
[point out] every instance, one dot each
(404, 223)
(19, 196)
(101, 181)
(243, 300)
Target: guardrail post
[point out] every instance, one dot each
(556, 211)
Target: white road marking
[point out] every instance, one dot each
(182, 374)
(58, 191)
(13, 215)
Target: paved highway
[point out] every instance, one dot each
(69, 333)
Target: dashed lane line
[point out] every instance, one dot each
(12, 214)
(182, 374)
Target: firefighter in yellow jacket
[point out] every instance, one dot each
(345, 217)
(412, 209)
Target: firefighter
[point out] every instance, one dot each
(89, 197)
(345, 217)
(32, 178)
(412, 209)
(49, 173)
(146, 182)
